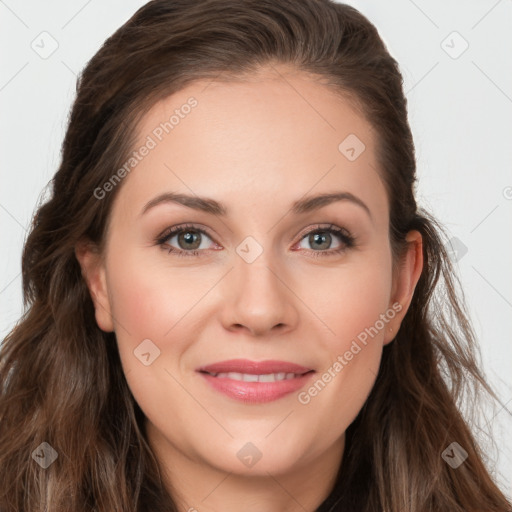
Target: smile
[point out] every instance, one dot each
(248, 377)
(256, 389)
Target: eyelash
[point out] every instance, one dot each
(347, 239)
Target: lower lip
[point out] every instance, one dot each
(256, 392)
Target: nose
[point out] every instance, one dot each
(258, 299)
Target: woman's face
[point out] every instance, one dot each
(263, 280)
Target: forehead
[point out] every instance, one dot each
(278, 131)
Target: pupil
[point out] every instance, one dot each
(318, 238)
(189, 238)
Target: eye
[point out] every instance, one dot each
(188, 238)
(322, 238)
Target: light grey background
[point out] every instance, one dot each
(460, 108)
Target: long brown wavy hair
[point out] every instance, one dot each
(60, 375)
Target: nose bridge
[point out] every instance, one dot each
(259, 299)
(255, 272)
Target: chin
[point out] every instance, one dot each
(258, 457)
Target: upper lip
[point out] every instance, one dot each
(254, 367)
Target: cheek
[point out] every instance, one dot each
(148, 296)
(360, 324)
(149, 306)
(146, 303)
(157, 302)
(354, 305)
(140, 304)
(350, 299)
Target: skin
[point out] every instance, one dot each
(256, 146)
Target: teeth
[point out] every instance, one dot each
(248, 377)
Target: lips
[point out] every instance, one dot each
(256, 382)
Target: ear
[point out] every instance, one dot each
(93, 271)
(404, 282)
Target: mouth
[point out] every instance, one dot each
(248, 367)
(250, 377)
(255, 382)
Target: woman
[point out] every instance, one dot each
(253, 370)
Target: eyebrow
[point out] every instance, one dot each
(213, 207)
